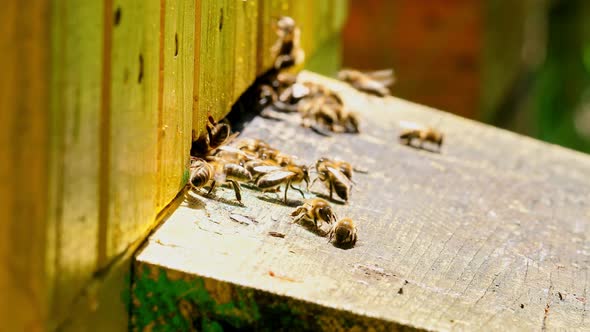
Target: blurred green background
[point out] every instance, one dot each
(521, 65)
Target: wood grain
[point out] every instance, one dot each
(25, 155)
(490, 234)
(74, 173)
(133, 124)
(176, 104)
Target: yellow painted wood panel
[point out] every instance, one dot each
(269, 12)
(177, 59)
(215, 65)
(234, 34)
(246, 39)
(99, 98)
(133, 133)
(76, 73)
(24, 96)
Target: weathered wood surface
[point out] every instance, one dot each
(490, 234)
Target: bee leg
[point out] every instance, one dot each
(299, 217)
(237, 190)
(330, 234)
(312, 182)
(298, 211)
(299, 190)
(212, 187)
(287, 189)
(331, 189)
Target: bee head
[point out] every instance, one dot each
(285, 25)
(305, 171)
(326, 214)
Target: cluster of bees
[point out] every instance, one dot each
(219, 159)
(222, 160)
(320, 108)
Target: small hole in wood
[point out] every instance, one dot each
(220, 19)
(117, 16)
(176, 44)
(140, 76)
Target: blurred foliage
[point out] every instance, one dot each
(562, 90)
(521, 65)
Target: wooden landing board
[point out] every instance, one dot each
(491, 233)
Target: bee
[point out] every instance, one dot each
(258, 167)
(267, 95)
(328, 111)
(290, 97)
(203, 173)
(233, 174)
(422, 133)
(375, 83)
(315, 209)
(252, 145)
(288, 175)
(286, 49)
(344, 232)
(217, 135)
(333, 178)
(343, 166)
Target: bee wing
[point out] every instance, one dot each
(233, 149)
(277, 175)
(299, 90)
(266, 169)
(411, 125)
(385, 74)
(338, 175)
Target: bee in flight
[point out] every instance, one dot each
(413, 131)
(316, 210)
(375, 83)
(344, 232)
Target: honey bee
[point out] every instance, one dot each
(422, 133)
(286, 49)
(328, 111)
(344, 232)
(290, 97)
(333, 178)
(217, 135)
(315, 209)
(252, 145)
(201, 173)
(267, 95)
(343, 166)
(375, 83)
(288, 175)
(214, 172)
